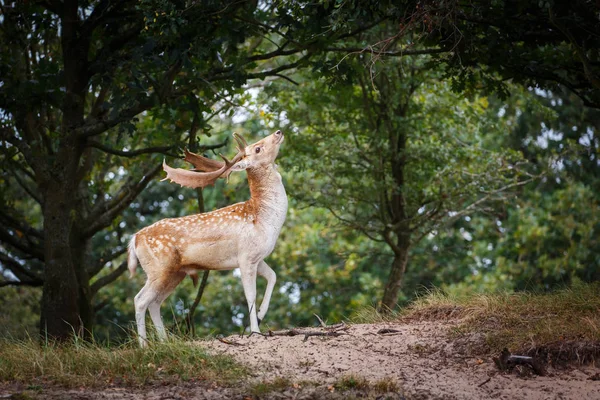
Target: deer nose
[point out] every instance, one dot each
(278, 133)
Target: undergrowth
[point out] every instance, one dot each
(88, 364)
(565, 323)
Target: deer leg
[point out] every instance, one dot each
(266, 272)
(142, 300)
(248, 272)
(166, 286)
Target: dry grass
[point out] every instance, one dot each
(370, 315)
(358, 384)
(565, 323)
(84, 364)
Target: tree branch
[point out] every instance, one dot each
(398, 53)
(101, 262)
(488, 195)
(26, 188)
(132, 153)
(95, 128)
(111, 277)
(51, 5)
(18, 270)
(8, 220)
(264, 74)
(22, 283)
(103, 215)
(18, 244)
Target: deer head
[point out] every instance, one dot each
(259, 154)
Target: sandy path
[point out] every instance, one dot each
(420, 357)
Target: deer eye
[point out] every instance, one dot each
(257, 150)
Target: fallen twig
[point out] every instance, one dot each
(330, 327)
(330, 333)
(337, 327)
(228, 342)
(484, 382)
(309, 333)
(323, 324)
(387, 331)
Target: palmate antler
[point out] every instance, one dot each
(208, 165)
(213, 169)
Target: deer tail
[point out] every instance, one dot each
(132, 259)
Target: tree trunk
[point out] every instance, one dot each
(60, 318)
(396, 276)
(86, 310)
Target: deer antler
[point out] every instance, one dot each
(216, 169)
(202, 163)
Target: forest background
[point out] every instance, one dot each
(442, 144)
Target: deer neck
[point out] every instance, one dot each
(267, 195)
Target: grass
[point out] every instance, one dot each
(370, 315)
(565, 323)
(349, 387)
(350, 382)
(84, 364)
(279, 384)
(361, 384)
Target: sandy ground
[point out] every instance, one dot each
(419, 358)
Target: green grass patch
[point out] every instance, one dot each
(359, 384)
(351, 382)
(84, 364)
(564, 323)
(263, 388)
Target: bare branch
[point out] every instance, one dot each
(26, 188)
(103, 215)
(111, 277)
(105, 258)
(488, 195)
(10, 221)
(14, 241)
(262, 75)
(398, 53)
(96, 128)
(132, 153)
(22, 283)
(287, 79)
(17, 269)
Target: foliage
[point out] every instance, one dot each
(19, 314)
(396, 156)
(547, 44)
(547, 235)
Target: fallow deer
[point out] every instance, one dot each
(238, 236)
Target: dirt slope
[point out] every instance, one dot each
(420, 357)
(420, 360)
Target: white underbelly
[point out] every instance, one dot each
(221, 255)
